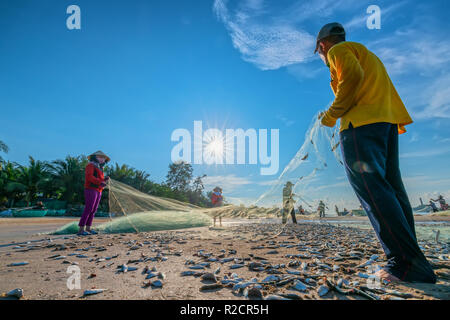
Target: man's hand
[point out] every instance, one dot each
(326, 120)
(321, 114)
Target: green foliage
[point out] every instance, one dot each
(30, 179)
(8, 191)
(136, 178)
(68, 178)
(179, 179)
(3, 148)
(179, 175)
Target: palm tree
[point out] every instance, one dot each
(8, 174)
(68, 177)
(3, 148)
(123, 173)
(30, 178)
(141, 181)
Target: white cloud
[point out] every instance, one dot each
(438, 98)
(269, 45)
(415, 137)
(239, 201)
(228, 183)
(287, 122)
(327, 186)
(425, 153)
(301, 11)
(268, 183)
(440, 139)
(306, 71)
(413, 53)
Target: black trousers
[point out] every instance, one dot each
(293, 216)
(285, 216)
(371, 158)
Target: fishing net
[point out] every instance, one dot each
(133, 211)
(316, 172)
(124, 200)
(145, 222)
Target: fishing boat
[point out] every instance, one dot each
(29, 213)
(6, 213)
(56, 213)
(358, 212)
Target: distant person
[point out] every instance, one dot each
(38, 206)
(289, 209)
(371, 117)
(95, 182)
(287, 194)
(321, 209)
(217, 201)
(301, 211)
(442, 203)
(345, 212)
(433, 206)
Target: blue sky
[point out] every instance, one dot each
(138, 70)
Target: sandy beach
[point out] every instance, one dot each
(241, 255)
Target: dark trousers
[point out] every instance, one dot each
(92, 200)
(293, 216)
(371, 159)
(285, 216)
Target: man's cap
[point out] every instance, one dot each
(330, 29)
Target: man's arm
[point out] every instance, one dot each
(349, 77)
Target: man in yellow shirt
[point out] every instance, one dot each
(372, 115)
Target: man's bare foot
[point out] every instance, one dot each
(384, 275)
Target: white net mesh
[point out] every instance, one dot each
(316, 172)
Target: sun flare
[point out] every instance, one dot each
(215, 147)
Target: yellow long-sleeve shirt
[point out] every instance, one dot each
(364, 93)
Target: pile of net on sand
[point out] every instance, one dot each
(133, 211)
(251, 212)
(145, 222)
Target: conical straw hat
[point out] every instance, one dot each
(99, 153)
